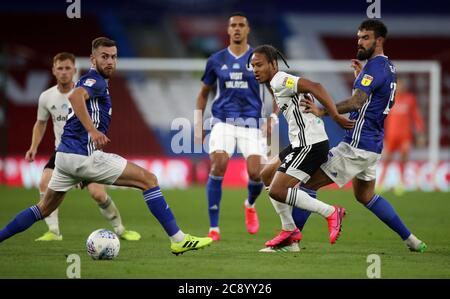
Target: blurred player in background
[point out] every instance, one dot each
(356, 157)
(236, 111)
(308, 149)
(403, 119)
(54, 102)
(79, 156)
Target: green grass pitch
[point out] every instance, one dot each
(236, 255)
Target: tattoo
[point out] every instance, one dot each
(355, 102)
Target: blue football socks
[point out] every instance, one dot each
(21, 222)
(160, 209)
(214, 194)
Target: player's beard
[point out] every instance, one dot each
(364, 54)
(105, 74)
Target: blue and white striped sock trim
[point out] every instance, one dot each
(310, 192)
(372, 201)
(36, 212)
(217, 178)
(152, 194)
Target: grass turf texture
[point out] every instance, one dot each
(236, 255)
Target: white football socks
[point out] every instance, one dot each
(52, 219)
(178, 237)
(111, 213)
(285, 213)
(300, 199)
(413, 242)
(215, 228)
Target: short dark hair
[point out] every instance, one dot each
(239, 14)
(64, 56)
(102, 42)
(376, 26)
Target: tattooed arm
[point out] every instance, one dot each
(353, 103)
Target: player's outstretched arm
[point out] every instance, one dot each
(355, 102)
(318, 91)
(38, 133)
(78, 100)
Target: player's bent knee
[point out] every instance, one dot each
(277, 194)
(150, 180)
(98, 196)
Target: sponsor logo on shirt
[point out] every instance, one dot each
(224, 67)
(89, 82)
(237, 81)
(366, 80)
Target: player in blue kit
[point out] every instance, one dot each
(355, 158)
(79, 156)
(236, 112)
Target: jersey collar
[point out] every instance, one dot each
(237, 57)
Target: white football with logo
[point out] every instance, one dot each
(103, 244)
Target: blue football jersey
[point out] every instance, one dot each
(239, 95)
(75, 138)
(378, 80)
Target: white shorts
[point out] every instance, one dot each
(100, 167)
(250, 141)
(346, 162)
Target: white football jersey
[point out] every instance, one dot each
(53, 102)
(304, 128)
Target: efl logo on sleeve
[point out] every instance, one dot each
(289, 83)
(366, 80)
(89, 82)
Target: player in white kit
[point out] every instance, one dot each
(54, 102)
(307, 151)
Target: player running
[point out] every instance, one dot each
(79, 156)
(54, 102)
(307, 151)
(236, 113)
(356, 157)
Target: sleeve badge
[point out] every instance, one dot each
(366, 80)
(288, 83)
(89, 82)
